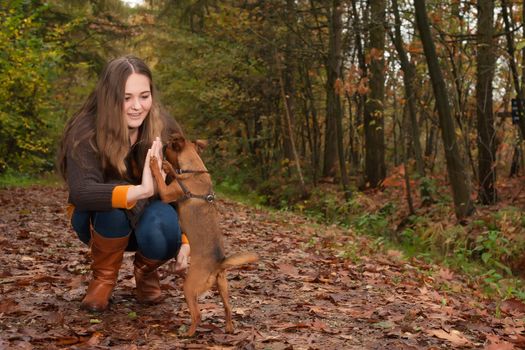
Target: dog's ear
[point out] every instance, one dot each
(177, 142)
(201, 145)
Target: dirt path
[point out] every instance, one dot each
(315, 287)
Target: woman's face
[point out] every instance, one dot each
(137, 100)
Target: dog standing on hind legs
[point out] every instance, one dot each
(192, 189)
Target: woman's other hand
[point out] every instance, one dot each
(183, 258)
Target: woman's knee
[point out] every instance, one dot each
(111, 224)
(158, 232)
(161, 217)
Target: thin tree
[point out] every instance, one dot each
(312, 122)
(410, 96)
(456, 171)
(290, 66)
(486, 135)
(288, 124)
(332, 101)
(360, 98)
(517, 87)
(334, 86)
(375, 168)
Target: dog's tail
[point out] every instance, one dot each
(239, 259)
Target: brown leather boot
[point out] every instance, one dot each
(147, 279)
(107, 254)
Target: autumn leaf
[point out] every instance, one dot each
(495, 343)
(513, 307)
(446, 274)
(288, 269)
(455, 337)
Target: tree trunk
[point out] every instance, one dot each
(314, 138)
(334, 87)
(456, 171)
(333, 104)
(523, 50)
(512, 61)
(485, 73)
(517, 87)
(289, 68)
(289, 131)
(375, 168)
(405, 145)
(408, 80)
(353, 136)
(360, 98)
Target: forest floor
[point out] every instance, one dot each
(315, 287)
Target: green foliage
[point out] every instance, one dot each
(372, 223)
(325, 206)
(486, 258)
(10, 179)
(207, 90)
(430, 189)
(233, 190)
(29, 63)
(492, 248)
(351, 251)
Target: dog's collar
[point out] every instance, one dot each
(210, 197)
(189, 171)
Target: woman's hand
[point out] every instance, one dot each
(183, 258)
(157, 153)
(147, 188)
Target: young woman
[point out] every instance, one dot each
(104, 158)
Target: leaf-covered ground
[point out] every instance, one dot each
(315, 287)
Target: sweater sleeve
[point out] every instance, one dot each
(87, 188)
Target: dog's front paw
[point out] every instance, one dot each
(154, 166)
(168, 168)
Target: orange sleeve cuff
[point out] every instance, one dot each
(184, 239)
(70, 209)
(119, 197)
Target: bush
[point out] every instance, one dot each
(29, 63)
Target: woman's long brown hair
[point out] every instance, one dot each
(101, 120)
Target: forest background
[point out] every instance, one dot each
(392, 117)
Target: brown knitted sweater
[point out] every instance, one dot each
(89, 187)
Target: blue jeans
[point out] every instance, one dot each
(157, 235)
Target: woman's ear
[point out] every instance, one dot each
(201, 145)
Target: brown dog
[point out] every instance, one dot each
(192, 190)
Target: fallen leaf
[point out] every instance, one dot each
(288, 269)
(95, 339)
(513, 307)
(518, 339)
(69, 340)
(499, 346)
(455, 337)
(446, 274)
(8, 306)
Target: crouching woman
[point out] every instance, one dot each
(104, 158)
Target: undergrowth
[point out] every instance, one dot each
(488, 250)
(10, 179)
